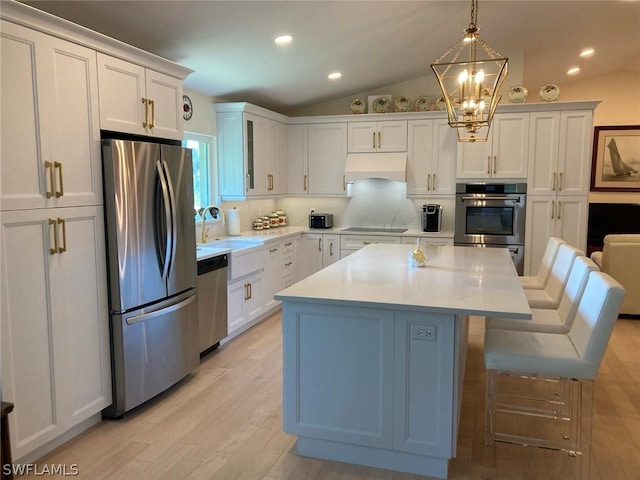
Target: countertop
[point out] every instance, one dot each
(256, 238)
(473, 281)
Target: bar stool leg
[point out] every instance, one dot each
(490, 447)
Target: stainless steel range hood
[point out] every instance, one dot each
(389, 166)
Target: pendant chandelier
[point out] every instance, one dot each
(470, 86)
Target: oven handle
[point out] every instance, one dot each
(484, 199)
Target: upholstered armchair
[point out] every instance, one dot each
(620, 258)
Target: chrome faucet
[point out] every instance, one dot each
(203, 213)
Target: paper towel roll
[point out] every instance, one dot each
(233, 221)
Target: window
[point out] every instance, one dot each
(204, 188)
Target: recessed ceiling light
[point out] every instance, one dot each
(587, 52)
(334, 75)
(573, 70)
(283, 40)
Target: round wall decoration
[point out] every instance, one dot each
(187, 107)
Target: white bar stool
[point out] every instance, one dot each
(544, 270)
(550, 296)
(572, 357)
(553, 320)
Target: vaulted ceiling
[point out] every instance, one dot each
(230, 44)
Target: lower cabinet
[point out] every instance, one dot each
(55, 329)
(244, 302)
(273, 271)
(553, 216)
(320, 250)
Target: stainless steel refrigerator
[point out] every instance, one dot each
(151, 254)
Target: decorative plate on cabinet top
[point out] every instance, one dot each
(518, 94)
(357, 106)
(441, 104)
(550, 92)
(381, 105)
(402, 104)
(424, 104)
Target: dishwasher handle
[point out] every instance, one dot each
(214, 263)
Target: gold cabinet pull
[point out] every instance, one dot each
(373, 140)
(246, 291)
(331, 249)
(560, 182)
(60, 189)
(271, 250)
(428, 182)
(553, 187)
(489, 165)
(49, 165)
(146, 112)
(319, 244)
(63, 247)
(553, 209)
(248, 181)
(434, 182)
(495, 163)
(250, 291)
(54, 250)
(379, 139)
(153, 113)
(344, 183)
(559, 209)
(304, 183)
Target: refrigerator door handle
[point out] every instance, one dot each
(172, 231)
(143, 317)
(167, 219)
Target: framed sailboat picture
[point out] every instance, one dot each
(616, 159)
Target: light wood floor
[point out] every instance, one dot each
(225, 422)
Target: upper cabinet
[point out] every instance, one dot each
(560, 152)
(327, 157)
(137, 100)
(383, 136)
(297, 154)
(431, 158)
(252, 151)
(503, 155)
(50, 122)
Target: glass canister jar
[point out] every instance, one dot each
(282, 218)
(273, 219)
(266, 222)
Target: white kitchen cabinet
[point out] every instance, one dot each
(50, 122)
(273, 271)
(327, 157)
(320, 250)
(553, 216)
(252, 151)
(383, 136)
(429, 241)
(137, 100)
(298, 156)
(55, 328)
(353, 243)
(503, 155)
(431, 158)
(244, 302)
(560, 152)
(290, 258)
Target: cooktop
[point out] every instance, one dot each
(374, 230)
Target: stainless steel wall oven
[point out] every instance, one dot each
(492, 215)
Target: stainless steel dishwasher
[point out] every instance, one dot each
(212, 302)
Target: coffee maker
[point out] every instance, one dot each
(431, 217)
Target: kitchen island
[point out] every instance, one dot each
(374, 352)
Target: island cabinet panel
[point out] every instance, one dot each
(327, 349)
(424, 383)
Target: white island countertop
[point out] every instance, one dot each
(461, 280)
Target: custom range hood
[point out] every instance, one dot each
(389, 166)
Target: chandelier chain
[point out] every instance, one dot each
(474, 13)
